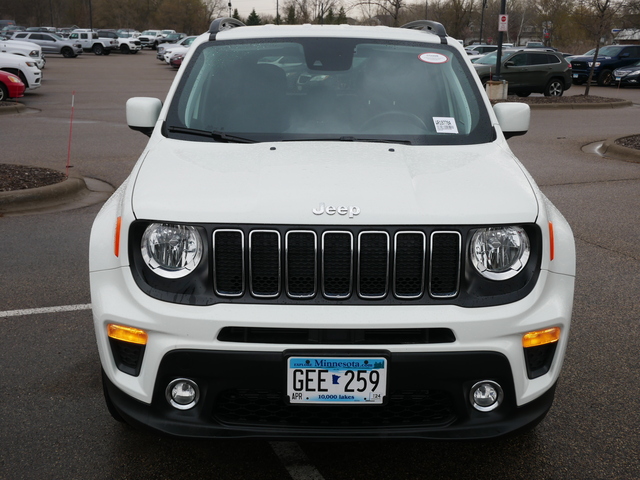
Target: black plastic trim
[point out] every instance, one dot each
(197, 287)
(216, 372)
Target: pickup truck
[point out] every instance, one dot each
(609, 58)
(152, 38)
(26, 49)
(91, 42)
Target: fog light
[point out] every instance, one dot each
(486, 396)
(183, 394)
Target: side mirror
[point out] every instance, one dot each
(513, 117)
(143, 113)
(509, 64)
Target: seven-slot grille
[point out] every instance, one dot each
(336, 264)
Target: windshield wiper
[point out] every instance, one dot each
(373, 140)
(217, 136)
(348, 139)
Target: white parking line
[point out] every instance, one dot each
(37, 311)
(295, 461)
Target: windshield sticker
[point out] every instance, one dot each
(445, 124)
(432, 57)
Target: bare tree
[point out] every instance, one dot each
(597, 17)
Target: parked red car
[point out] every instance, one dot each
(10, 86)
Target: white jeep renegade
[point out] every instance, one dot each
(327, 236)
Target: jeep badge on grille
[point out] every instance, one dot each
(331, 210)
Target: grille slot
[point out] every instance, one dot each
(373, 278)
(410, 251)
(264, 263)
(228, 253)
(301, 264)
(337, 264)
(445, 264)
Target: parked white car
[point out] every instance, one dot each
(163, 48)
(180, 49)
(328, 237)
(23, 67)
(26, 49)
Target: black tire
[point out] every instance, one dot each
(555, 88)
(4, 92)
(67, 52)
(98, 49)
(124, 48)
(605, 78)
(155, 46)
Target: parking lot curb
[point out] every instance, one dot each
(68, 190)
(15, 108)
(611, 149)
(580, 106)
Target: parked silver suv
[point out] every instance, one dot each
(51, 43)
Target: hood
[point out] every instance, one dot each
(344, 183)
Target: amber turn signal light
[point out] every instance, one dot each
(541, 337)
(127, 334)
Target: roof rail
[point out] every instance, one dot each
(223, 23)
(430, 27)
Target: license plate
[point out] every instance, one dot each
(575, 75)
(618, 79)
(340, 380)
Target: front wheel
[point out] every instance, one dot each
(4, 93)
(605, 78)
(554, 88)
(67, 52)
(125, 49)
(98, 49)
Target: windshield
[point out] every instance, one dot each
(489, 58)
(609, 51)
(328, 89)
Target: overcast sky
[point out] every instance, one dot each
(267, 7)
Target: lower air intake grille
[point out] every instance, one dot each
(268, 409)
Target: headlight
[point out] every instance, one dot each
(14, 79)
(634, 74)
(30, 64)
(500, 253)
(171, 251)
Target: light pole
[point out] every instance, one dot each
(484, 6)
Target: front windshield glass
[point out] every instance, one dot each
(328, 89)
(610, 51)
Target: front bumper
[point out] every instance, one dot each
(185, 341)
(242, 396)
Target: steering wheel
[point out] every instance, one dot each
(394, 115)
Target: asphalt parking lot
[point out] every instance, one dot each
(54, 422)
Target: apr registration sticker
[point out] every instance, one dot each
(432, 57)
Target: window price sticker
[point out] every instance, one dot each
(445, 124)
